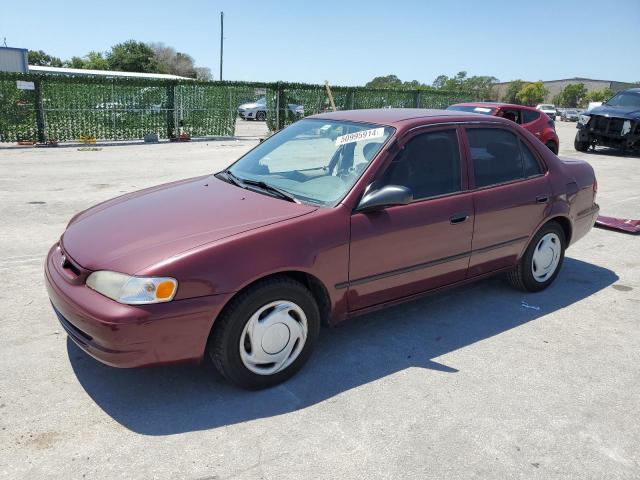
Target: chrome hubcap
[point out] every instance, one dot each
(273, 337)
(546, 257)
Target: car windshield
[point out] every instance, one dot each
(261, 101)
(547, 107)
(472, 108)
(315, 161)
(625, 99)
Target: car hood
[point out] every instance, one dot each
(631, 113)
(143, 228)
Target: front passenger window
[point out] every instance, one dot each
(429, 165)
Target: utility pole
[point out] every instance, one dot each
(221, 41)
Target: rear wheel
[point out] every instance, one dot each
(552, 146)
(261, 116)
(580, 145)
(541, 262)
(266, 334)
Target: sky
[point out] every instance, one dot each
(350, 42)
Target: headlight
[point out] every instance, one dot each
(583, 119)
(133, 290)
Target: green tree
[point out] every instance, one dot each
(532, 93)
(392, 81)
(597, 96)
(510, 96)
(42, 59)
(571, 96)
(440, 81)
(95, 61)
(132, 56)
(388, 81)
(482, 86)
(75, 62)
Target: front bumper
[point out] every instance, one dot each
(129, 335)
(244, 114)
(610, 132)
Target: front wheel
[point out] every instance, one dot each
(541, 262)
(260, 116)
(580, 145)
(266, 334)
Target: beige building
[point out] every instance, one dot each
(555, 86)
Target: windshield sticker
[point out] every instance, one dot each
(482, 109)
(359, 136)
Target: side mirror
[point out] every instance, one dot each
(387, 196)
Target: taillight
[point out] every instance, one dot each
(595, 189)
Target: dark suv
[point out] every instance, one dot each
(616, 123)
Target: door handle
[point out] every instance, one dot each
(458, 218)
(542, 199)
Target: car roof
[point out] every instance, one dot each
(632, 90)
(493, 105)
(402, 117)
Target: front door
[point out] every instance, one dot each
(407, 249)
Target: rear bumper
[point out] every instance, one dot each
(126, 335)
(584, 222)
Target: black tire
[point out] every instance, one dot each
(580, 145)
(224, 342)
(522, 276)
(552, 146)
(261, 116)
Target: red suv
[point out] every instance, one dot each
(533, 120)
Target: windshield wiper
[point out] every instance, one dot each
(270, 188)
(232, 178)
(243, 182)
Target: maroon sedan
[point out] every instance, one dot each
(534, 120)
(336, 215)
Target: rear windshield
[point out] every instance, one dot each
(473, 109)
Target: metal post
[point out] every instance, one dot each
(221, 41)
(40, 119)
(171, 110)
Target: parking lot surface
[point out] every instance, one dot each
(481, 381)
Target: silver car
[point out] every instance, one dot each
(258, 110)
(255, 111)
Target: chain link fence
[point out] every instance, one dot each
(65, 108)
(287, 103)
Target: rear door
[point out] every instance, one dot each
(511, 196)
(407, 249)
(531, 121)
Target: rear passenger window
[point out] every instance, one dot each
(429, 165)
(499, 156)
(529, 116)
(531, 165)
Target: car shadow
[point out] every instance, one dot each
(170, 400)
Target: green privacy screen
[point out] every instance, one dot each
(65, 108)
